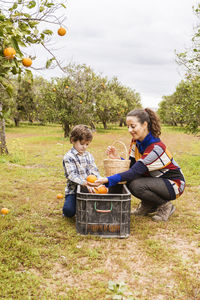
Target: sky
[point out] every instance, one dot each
(134, 40)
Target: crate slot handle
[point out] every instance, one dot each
(102, 210)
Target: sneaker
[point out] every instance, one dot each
(163, 212)
(143, 209)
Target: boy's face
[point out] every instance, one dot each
(81, 146)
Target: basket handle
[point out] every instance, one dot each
(120, 142)
(102, 210)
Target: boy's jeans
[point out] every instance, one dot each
(69, 207)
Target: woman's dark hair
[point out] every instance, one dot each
(81, 132)
(150, 117)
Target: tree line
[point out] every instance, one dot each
(81, 96)
(183, 106)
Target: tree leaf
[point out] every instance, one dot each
(49, 62)
(31, 4)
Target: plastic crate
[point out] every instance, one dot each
(106, 215)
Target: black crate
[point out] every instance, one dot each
(106, 215)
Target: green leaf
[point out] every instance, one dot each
(47, 31)
(49, 5)
(27, 16)
(14, 70)
(13, 7)
(31, 4)
(2, 18)
(41, 8)
(49, 62)
(9, 89)
(36, 31)
(15, 45)
(63, 5)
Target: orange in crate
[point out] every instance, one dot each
(101, 190)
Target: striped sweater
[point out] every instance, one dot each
(151, 158)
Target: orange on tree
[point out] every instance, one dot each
(9, 52)
(91, 178)
(81, 101)
(59, 196)
(101, 190)
(4, 211)
(27, 62)
(61, 31)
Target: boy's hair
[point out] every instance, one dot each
(81, 132)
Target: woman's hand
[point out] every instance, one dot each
(112, 152)
(98, 182)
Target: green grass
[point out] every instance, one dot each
(43, 257)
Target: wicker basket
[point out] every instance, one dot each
(114, 166)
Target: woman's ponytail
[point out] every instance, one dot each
(154, 124)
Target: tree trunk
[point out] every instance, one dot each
(66, 128)
(16, 120)
(104, 124)
(3, 147)
(120, 122)
(92, 126)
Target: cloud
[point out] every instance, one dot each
(133, 40)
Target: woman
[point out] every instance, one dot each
(154, 177)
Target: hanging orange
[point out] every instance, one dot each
(27, 62)
(59, 196)
(61, 31)
(9, 52)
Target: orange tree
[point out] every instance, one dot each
(23, 98)
(72, 99)
(190, 59)
(183, 106)
(20, 27)
(129, 99)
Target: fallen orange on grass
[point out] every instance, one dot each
(101, 190)
(9, 52)
(59, 196)
(4, 211)
(61, 31)
(27, 62)
(91, 178)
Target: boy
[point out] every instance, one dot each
(78, 164)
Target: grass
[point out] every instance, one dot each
(42, 256)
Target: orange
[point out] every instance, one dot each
(81, 101)
(27, 62)
(101, 190)
(4, 211)
(59, 196)
(9, 52)
(91, 178)
(66, 87)
(61, 31)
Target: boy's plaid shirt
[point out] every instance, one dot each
(77, 167)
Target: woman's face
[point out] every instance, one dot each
(137, 130)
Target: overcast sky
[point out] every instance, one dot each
(134, 40)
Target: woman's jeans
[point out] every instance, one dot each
(69, 207)
(151, 190)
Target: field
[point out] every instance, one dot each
(42, 256)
